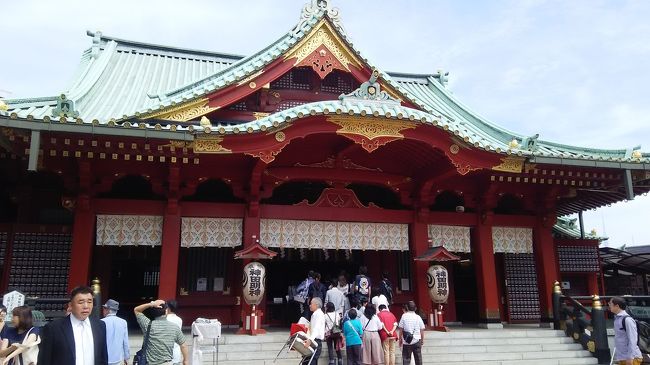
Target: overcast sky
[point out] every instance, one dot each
(576, 72)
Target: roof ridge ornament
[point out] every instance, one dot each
(530, 143)
(64, 108)
(370, 90)
(97, 42)
(442, 76)
(314, 9)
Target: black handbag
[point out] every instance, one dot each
(408, 337)
(140, 357)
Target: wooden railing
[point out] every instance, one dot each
(586, 326)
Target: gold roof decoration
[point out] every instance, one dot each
(514, 144)
(637, 155)
(3, 106)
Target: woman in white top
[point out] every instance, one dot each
(333, 334)
(372, 352)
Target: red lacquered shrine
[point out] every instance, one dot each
(157, 163)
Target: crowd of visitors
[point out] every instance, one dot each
(81, 339)
(357, 317)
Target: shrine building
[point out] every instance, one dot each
(156, 164)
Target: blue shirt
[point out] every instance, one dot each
(625, 340)
(352, 331)
(117, 339)
(11, 334)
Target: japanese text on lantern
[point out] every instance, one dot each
(255, 282)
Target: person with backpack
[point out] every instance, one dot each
(362, 285)
(333, 335)
(386, 288)
(626, 337)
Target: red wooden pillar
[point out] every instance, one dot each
(171, 236)
(546, 262)
(83, 232)
(419, 235)
(251, 233)
(169, 252)
(486, 277)
(593, 284)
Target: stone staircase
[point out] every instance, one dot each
(510, 346)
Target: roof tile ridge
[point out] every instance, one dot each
(155, 46)
(583, 149)
(433, 83)
(94, 71)
(38, 99)
(167, 96)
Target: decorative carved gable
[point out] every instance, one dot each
(323, 37)
(337, 198)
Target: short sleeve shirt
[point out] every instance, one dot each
(411, 322)
(163, 336)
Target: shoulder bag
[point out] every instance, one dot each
(140, 357)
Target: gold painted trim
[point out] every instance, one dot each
(260, 115)
(370, 128)
(210, 145)
(510, 164)
(184, 112)
(250, 77)
(324, 34)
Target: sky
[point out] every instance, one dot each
(576, 72)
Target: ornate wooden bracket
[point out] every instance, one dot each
(268, 156)
(209, 145)
(337, 198)
(322, 61)
(370, 133)
(184, 112)
(510, 164)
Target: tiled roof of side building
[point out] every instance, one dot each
(117, 77)
(567, 228)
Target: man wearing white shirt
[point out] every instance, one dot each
(379, 299)
(316, 329)
(178, 321)
(76, 339)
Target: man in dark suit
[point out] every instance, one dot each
(76, 339)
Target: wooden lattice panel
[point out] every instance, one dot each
(521, 288)
(578, 258)
(40, 264)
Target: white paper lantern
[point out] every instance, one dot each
(438, 283)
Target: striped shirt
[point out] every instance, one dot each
(411, 322)
(161, 339)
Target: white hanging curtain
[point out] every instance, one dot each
(211, 232)
(512, 239)
(285, 233)
(129, 230)
(453, 238)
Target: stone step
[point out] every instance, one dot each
(466, 346)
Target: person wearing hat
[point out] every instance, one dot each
(117, 334)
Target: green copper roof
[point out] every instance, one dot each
(118, 80)
(567, 227)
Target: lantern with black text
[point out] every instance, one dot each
(253, 283)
